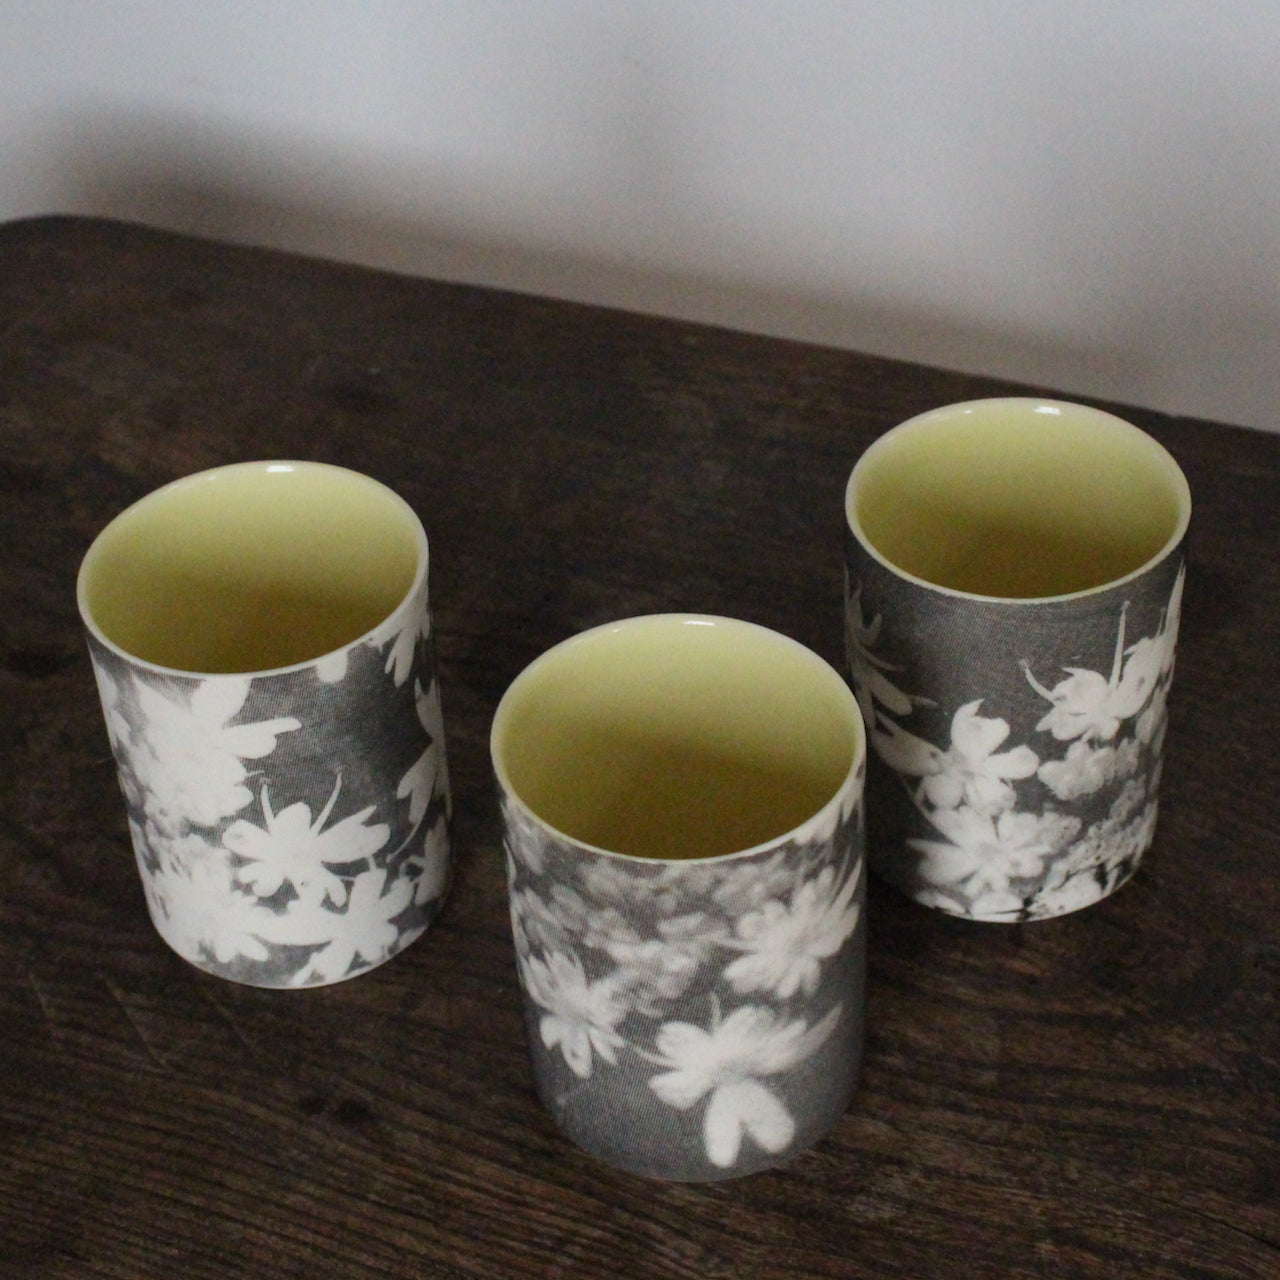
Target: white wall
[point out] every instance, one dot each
(1076, 193)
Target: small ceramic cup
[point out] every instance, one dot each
(261, 640)
(681, 807)
(1014, 582)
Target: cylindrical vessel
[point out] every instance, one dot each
(681, 800)
(261, 639)
(1014, 573)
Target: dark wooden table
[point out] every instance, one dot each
(1094, 1096)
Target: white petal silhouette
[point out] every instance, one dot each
(745, 1106)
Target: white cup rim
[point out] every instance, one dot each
(845, 792)
(1160, 455)
(386, 627)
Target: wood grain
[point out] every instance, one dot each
(1094, 1096)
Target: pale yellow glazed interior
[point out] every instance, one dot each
(251, 567)
(1017, 498)
(676, 736)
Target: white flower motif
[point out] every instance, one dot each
(866, 671)
(357, 937)
(991, 904)
(295, 850)
(651, 971)
(985, 853)
(189, 757)
(694, 929)
(753, 884)
(433, 883)
(1133, 796)
(1092, 706)
(970, 772)
(198, 909)
(1061, 896)
(1097, 856)
(524, 839)
(728, 1062)
(603, 928)
(332, 668)
(1151, 724)
(403, 649)
(1168, 633)
(614, 881)
(1138, 676)
(1087, 768)
(180, 854)
(580, 1016)
(931, 896)
(422, 781)
(537, 923)
(573, 909)
(785, 945)
(679, 886)
(655, 888)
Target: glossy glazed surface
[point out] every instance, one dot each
(676, 736)
(1017, 498)
(251, 567)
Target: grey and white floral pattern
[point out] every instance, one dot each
(291, 829)
(1016, 746)
(700, 1019)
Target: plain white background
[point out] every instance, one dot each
(1084, 195)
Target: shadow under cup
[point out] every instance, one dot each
(1014, 584)
(681, 805)
(260, 635)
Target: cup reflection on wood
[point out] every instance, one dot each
(1014, 584)
(681, 800)
(261, 639)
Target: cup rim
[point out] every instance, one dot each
(209, 475)
(839, 798)
(1166, 459)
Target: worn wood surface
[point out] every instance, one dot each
(1095, 1096)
